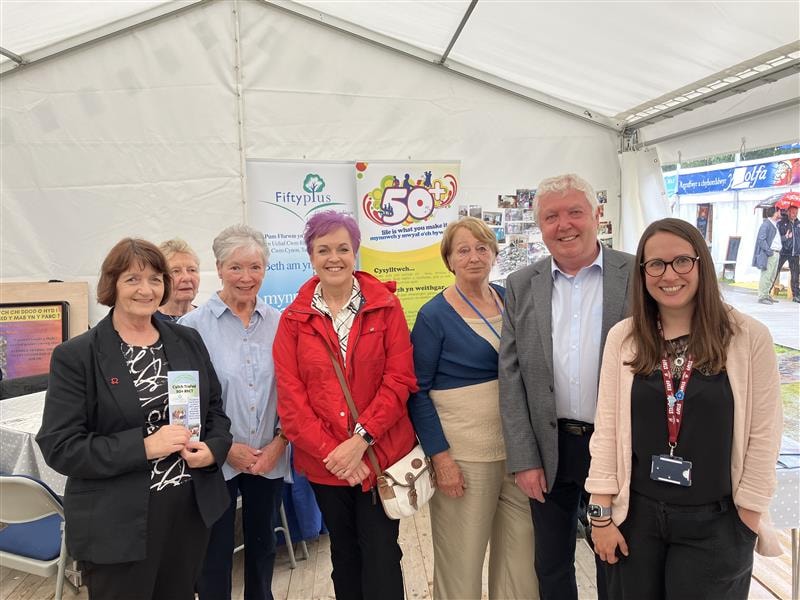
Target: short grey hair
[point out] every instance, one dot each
(561, 185)
(177, 246)
(239, 236)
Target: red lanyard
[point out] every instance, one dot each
(674, 398)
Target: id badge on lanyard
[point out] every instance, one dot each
(668, 467)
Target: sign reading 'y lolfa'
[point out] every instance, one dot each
(403, 209)
(282, 196)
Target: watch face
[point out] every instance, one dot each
(595, 510)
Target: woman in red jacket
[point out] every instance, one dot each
(357, 319)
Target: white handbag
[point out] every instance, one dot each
(407, 485)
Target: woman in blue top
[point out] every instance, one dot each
(239, 328)
(457, 418)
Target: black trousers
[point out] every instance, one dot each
(555, 523)
(794, 273)
(364, 549)
(176, 543)
(261, 499)
(683, 553)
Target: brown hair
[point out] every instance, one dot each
(712, 327)
(476, 227)
(120, 258)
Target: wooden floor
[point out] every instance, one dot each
(311, 579)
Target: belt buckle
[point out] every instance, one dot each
(576, 428)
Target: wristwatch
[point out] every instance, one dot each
(595, 511)
(359, 430)
(279, 433)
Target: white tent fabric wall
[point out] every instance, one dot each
(138, 134)
(312, 92)
(643, 196)
(133, 136)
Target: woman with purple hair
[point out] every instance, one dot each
(350, 317)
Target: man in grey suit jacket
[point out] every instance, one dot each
(557, 314)
(766, 254)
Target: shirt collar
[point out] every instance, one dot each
(597, 261)
(356, 298)
(218, 307)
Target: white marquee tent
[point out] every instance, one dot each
(136, 117)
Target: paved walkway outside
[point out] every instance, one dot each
(783, 318)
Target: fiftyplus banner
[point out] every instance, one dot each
(282, 195)
(403, 208)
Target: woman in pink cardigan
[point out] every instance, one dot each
(687, 432)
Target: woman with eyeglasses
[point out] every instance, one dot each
(687, 432)
(456, 414)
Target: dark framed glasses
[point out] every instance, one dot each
(680, 264)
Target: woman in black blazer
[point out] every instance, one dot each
(140, 496)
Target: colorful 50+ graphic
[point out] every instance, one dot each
(395, 203)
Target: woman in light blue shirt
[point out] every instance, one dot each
(239, 328)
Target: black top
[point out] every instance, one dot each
(148, 367)
(705, 437)
(92, 432)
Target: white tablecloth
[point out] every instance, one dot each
(785, 507)
(20, 419)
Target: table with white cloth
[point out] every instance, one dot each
(20, 420)
(785, 508)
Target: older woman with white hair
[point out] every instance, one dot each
(184, 270)
(239, 328)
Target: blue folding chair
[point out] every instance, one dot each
(33, 538)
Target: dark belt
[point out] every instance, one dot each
(575, 427)
(721, 505)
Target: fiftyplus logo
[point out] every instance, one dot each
(309, 198)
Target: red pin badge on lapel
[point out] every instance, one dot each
(114, 381)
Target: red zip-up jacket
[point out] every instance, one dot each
(380, 373)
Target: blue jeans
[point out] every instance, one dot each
(261, 498)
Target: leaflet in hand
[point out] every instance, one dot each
(184, 400)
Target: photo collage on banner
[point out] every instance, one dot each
(519, 236)
(403, 209)
(282, 196)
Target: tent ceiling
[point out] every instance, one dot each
(601, 60)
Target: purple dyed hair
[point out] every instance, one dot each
(326, 221)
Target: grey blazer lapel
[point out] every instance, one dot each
(616, 271)
(542, 294)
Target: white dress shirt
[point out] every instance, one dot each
(577, 313)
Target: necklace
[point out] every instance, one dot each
(676, 350)
(479, 313)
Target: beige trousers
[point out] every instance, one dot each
(492, 511)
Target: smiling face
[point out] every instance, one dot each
(671, 291)
(241, 274)
(333, 259)
(569, 229)
(185, 273)
(470, 259)
(139, 292)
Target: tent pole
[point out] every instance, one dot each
(460, 28)
(237, 73)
